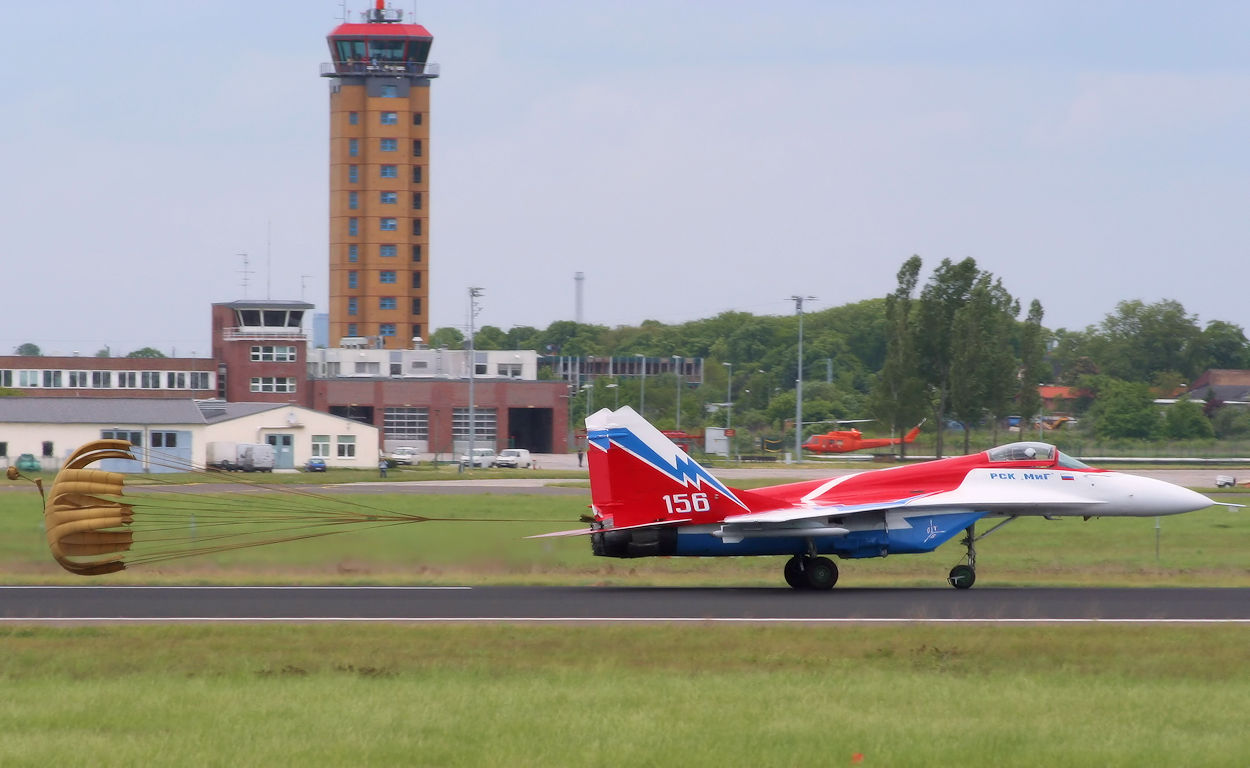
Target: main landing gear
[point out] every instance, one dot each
(811, 572)
(964, 575)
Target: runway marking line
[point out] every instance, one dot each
(580, 620)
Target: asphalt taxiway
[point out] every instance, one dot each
(596, 604)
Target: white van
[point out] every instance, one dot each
(514, 457)
(482, 457)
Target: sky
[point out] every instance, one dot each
(689, 157)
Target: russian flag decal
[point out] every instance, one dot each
(1066, 477)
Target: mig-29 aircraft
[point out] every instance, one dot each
(651, 499)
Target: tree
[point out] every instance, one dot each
(147, 352)
(28, 350)
(1125, 409)
(983, 370)
(1184, 420)
(898, 396)
(447, 338)
(1139, 340)
(490, 337)
(103, 352)
(1225, 345)
(948, 289)
(1032, 362)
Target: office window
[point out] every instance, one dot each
(386, 276)
(125, 379)
(352, 279)
(353, 255)
(416, 118)
(78, 378)
(388, 223)
(416, 147)
(353, 226)
(416, 306)
(28, 378)
(52, 378)
(416, 279)
(321, 446)
(389, 171)
(47, 449)
(390, 118)
(387, 251)
(416, 253)
(388, 198)
(416, 226)
(99, 379)
(351, 305)
(273, 354)
(175, 380)
(389, 91)
(416, 174)
(351, 329)
(387, 302)
(386, 329)
(200, 380)
(353, 200)
(163, 439)
(416, 200)
(353, 173)
(353, 147)
(346, 444)
(353, 118)
(388, 145)
(6, 379)
(273, 384)
(150, 379)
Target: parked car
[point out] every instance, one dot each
(28, 463)
(405, 455)
(1225, 481)
(482, 457)
(315, 465)
(514, 457)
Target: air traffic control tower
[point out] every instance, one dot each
(379, 178)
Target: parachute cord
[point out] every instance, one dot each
(12, 473)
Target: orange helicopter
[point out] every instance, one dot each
(847, 440)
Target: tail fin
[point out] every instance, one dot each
(639, 477)
(914, 432)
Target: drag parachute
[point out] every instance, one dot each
(94, 528)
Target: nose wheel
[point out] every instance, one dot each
(962, 576)
(808, 572)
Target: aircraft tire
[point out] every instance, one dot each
(962, 577)
(820, 573)
(794, 573)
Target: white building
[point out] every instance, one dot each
(355, 359)
(50, 428)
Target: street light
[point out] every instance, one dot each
(474, 293)
(617, 393)
(729, 394)
(642, 388)
(798, 382)
(677, 366)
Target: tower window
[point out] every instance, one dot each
(388, 224)
(351, 329)
(353, 200)
(353, 147)
(389, 171)
(386, 251)
(351, 305)
(390, 118)
(416, 253)
(416, 200)
(353, 226)
(388, 145)
(353, 255)
(353, 118)
(389, 91)
(416, 174)
(353, 173)
(416, 147)
(416, 279)
(416, 330)
(416, 308)
(416, 226)
(416, 118)
(352, 279)
(386, 329)
(387, 302)
(389, 198)
(386, 276)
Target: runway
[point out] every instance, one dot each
(94, 604)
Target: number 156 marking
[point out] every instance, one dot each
(684, 503)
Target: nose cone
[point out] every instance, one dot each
(1158, 497)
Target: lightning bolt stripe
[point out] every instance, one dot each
(680, 467)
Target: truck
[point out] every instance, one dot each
(239, 457)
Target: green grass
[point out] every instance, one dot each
(610, 695)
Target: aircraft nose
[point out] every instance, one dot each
(1160, 497)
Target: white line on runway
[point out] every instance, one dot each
(580, 620)
(146, 586)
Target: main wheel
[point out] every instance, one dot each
(820, 573)
(962, 577)
(794, 572)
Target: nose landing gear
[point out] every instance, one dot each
(964, 575)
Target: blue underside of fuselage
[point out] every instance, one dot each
(927, 533)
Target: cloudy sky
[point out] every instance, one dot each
(690, 157)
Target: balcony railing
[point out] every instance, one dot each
(287, 334)
(378, 68)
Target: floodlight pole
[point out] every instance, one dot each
(798, 381)
(474, 292)
(642, 387)
(677, 362)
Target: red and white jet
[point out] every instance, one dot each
(650, 498)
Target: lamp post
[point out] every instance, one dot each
(798, 381)
(642, 387)
(729, 394)
(677, 367)
(617, 392)
(474, 292)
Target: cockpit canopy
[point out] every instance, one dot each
(1041, 453)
